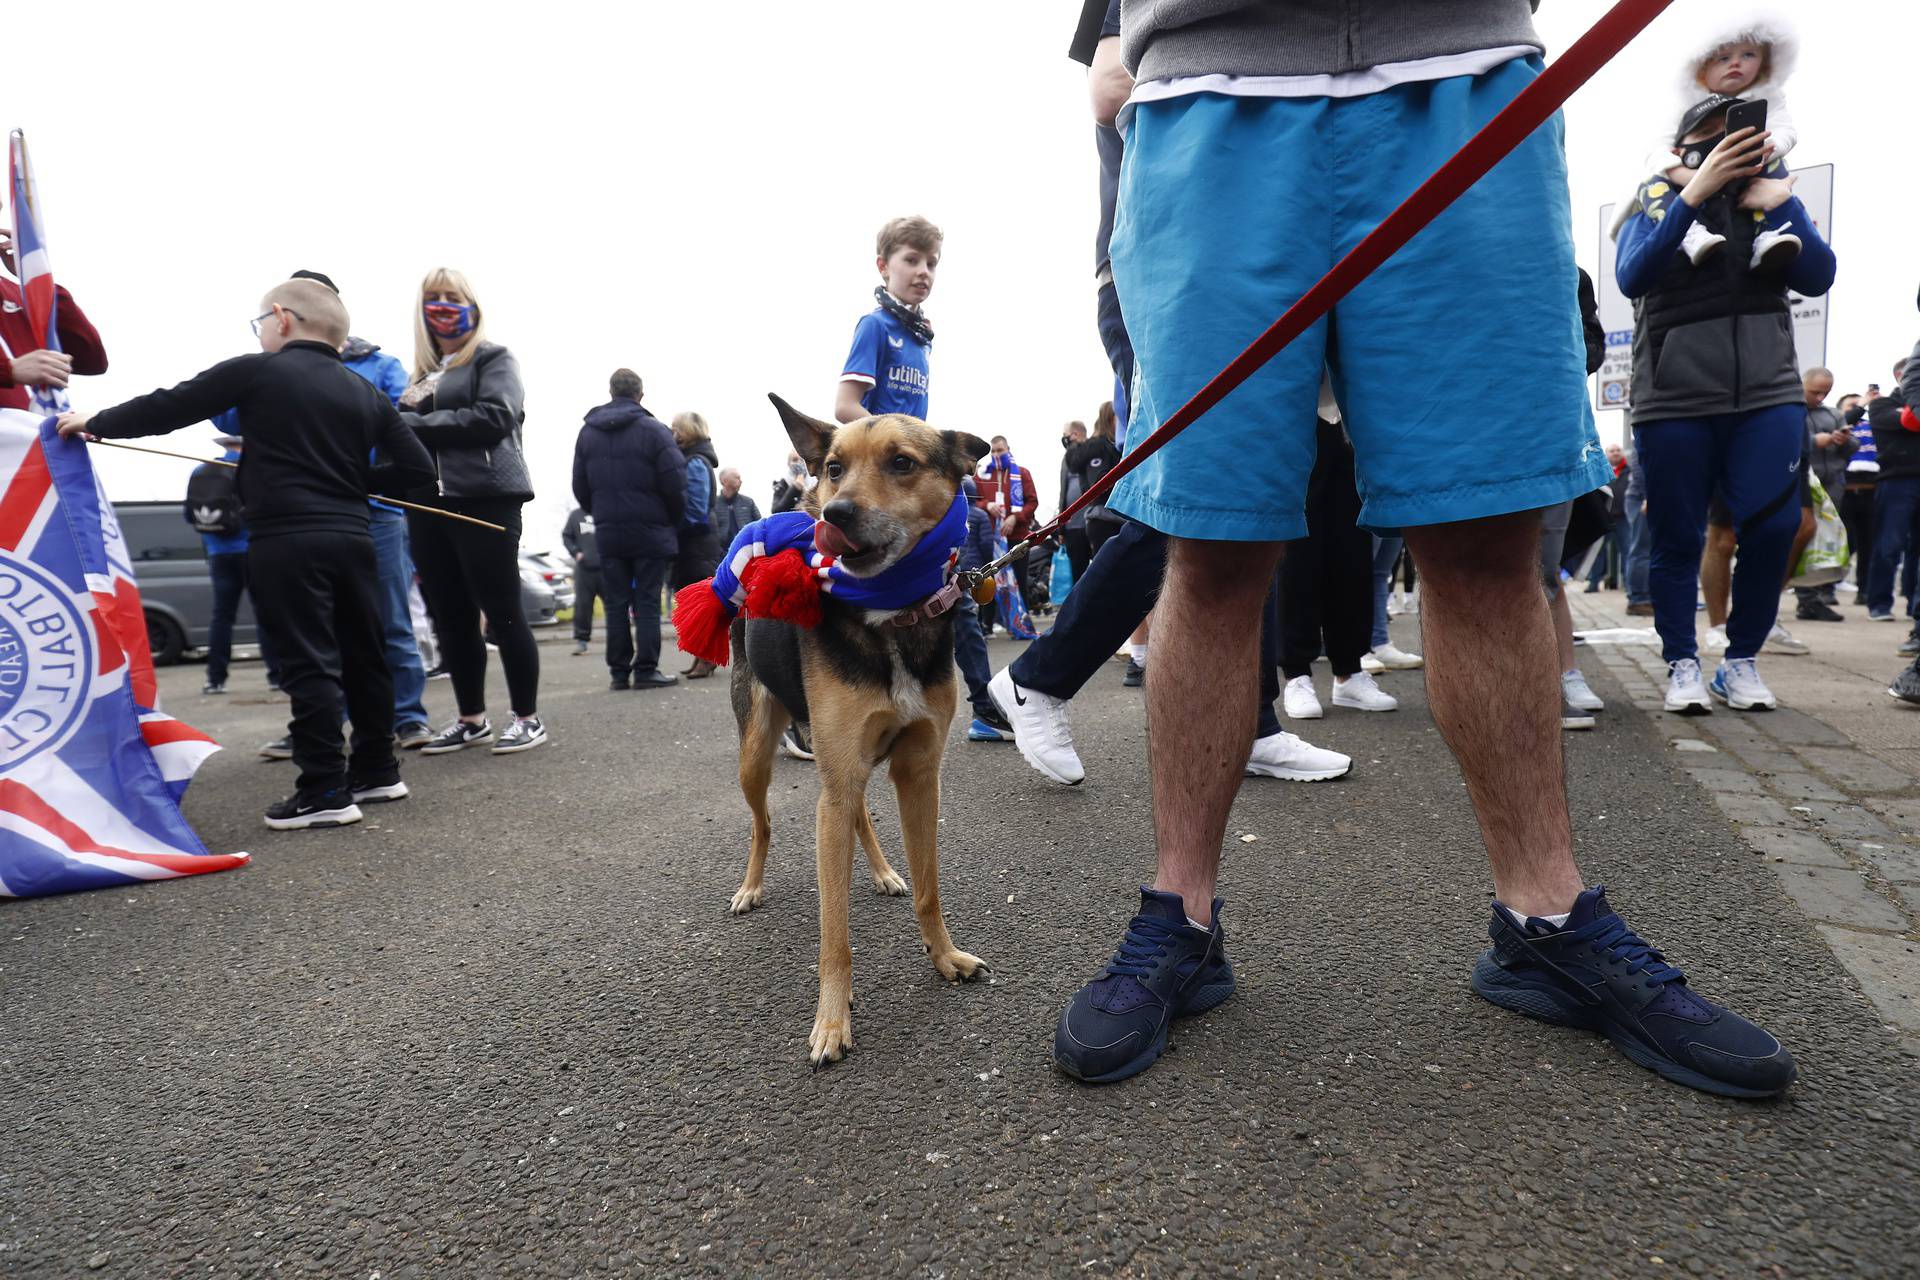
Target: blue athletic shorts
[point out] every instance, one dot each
(1459, 363)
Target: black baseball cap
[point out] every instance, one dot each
(1705, 109)
(328, 280)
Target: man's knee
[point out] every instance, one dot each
(1489, 550)
(1721, 540)
(1225, 568)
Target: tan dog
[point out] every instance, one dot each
(872, 690)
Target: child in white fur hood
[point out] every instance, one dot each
(1749, 59)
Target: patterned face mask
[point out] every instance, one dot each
(448, 319)
(1694, 154)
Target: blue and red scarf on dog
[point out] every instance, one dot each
(774, 570)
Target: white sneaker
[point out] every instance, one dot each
(1737, 683)
(1577, 694)
(1394, 659)
(1040, 728)
(1701, 244)
(1300, 701)
(1285, 756)
(1775, 247)
(1686, 691)
(1715, 641)
(1780, 640)
(1371, 665)
(1362, 694)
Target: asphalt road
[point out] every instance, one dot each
(507, 1027)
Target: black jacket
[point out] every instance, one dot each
(629, 476)
(731, 515)
(471, 424)
(579, 540)
(1897, 448)
(311, 427)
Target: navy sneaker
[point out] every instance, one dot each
(1596, 972)
(1116, 1025)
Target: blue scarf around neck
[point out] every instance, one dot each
(901, 585)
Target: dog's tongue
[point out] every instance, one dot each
(828, 540)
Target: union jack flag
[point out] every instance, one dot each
(91, 774)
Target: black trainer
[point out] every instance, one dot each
(619, 684)
(320, 809)
(797, 741)
(1817, 610)
(457, 735)
(369, 792)
(1906, 685)
(278, 749)
(1136, 674)
(655, 679)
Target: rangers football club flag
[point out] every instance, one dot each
(91, 774)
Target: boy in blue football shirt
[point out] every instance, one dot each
(886, 371)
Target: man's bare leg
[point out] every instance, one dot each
(1716, 573)
(1206, 633)
(1496, 697)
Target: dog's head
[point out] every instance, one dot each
(884, 482)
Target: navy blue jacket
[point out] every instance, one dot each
(978, 548)
(630, 477)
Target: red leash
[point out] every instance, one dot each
(1485, 149)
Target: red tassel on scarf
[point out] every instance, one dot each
(700, 623)
(783, 587)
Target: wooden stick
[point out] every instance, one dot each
(222, 462)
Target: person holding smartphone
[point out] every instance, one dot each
(1717, 395)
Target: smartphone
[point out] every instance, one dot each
(1747, 115)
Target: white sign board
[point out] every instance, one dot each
(1814, 186)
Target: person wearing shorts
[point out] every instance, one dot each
(1263, 142)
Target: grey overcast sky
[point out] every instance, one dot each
(693, 190)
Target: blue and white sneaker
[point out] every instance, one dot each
(1116, 1026)
(1737, 683)
(1595, 972)
(989, 726)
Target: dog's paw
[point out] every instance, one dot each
(958, 966)
(745, 899)
(890, 884)
(832, 1037)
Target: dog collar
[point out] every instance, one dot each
(932, 607)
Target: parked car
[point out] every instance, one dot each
(176, 590)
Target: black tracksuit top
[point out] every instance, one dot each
(310, 427)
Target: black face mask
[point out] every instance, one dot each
(1694, 154)
(1853, 415)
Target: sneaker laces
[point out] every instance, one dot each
(1147, 937)
(1612, 935)
(1684, 669)
(1742, 669)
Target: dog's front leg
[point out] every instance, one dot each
(915, 771)
(841, 802)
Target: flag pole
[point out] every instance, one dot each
(222, 462)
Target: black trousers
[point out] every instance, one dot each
(633, 583)
(1326, 578)
(465, 570)
(586, 588)
(1856, 513)
(1079, 551)
(1122, 583)
(318, 600)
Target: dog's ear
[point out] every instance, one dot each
(810, 436)
(965, 451)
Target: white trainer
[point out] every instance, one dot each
(1578, 694)
(1362, 694)
(1737, 683)
(1285, 756)
(1301, 702)
(1701, 244)
(1040, 728)
(1371, 665)
(1686, 691)
(1715, 640)
(1780, 640)
(1776, 248)
(1395, 659)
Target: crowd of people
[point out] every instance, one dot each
(1236, 590)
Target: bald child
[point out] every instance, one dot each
(310, 426)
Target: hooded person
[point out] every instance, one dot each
(632, 481)
(1747, 59)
